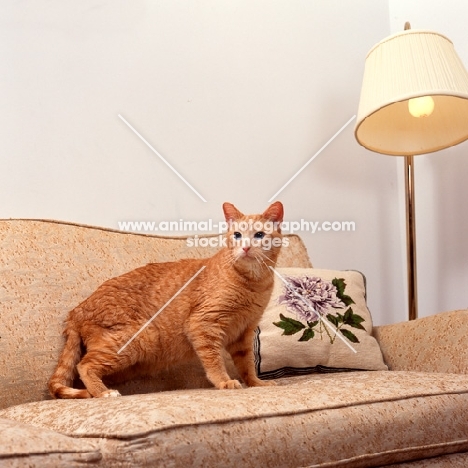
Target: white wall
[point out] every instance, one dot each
(440, 178)
(236, 95)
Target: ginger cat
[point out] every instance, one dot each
(219, 309)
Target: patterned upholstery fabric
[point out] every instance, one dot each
(411, 417)
(24, 445)
(47, 268)
(431, 344)
(356, 419)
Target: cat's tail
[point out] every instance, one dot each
(62, 379)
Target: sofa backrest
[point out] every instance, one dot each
(49, 267)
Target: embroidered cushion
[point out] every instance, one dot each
(316, 320)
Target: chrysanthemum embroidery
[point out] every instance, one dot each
(313, 299)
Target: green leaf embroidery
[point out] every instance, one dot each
(351, 336)
(307, 335)
(353, 320)
(348, 316)
(340, 286)
(333, 319)
(289, 325)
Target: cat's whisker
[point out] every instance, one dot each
(262, 254)
(229, 261)
(266, 266)
(259, 263)
(228, 264)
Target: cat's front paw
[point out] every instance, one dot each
(229, 384)
(109, 394)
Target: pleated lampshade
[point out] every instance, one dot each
(408, 65)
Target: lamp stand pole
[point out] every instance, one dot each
(411, 239)
(411, 233)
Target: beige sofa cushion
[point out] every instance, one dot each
(347, 419)
(24, 445)
(47, 268)
(437, 343)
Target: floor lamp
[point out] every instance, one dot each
(414, 100)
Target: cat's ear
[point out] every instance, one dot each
(231, 213)
(274, 212)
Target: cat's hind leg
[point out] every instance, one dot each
(94, 366)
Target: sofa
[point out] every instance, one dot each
(413, 415)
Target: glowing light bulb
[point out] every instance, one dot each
(421, 106)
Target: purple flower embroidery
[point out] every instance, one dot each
(319, 293)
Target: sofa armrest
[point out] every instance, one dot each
(438, 343)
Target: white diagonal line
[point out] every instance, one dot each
(161, 157)
(311, 307)
(312, 158)
(161, 309)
